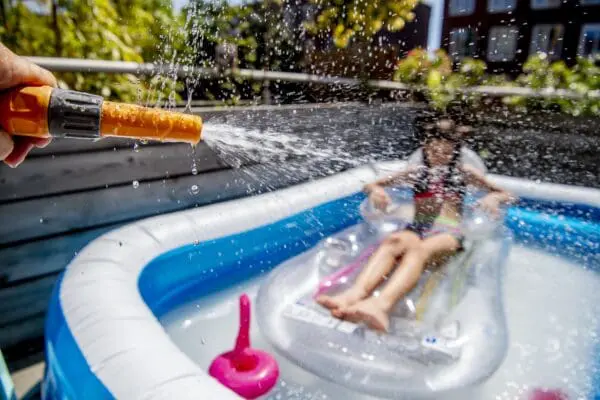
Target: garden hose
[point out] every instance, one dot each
(44, 112)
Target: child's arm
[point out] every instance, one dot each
(377, 194)
(476, 178)
(405, 176)
(496, 195)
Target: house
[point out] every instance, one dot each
(504, 33)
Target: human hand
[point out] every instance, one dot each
(17, 71)
(490, 204)
(379, 198)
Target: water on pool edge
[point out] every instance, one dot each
(553, 313)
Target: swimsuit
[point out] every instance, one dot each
(448, 186)
(428, 229)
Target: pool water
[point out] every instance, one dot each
(553, 314)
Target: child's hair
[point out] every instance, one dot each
(428, 123)
(461, 113)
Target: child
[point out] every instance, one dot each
(439, 187)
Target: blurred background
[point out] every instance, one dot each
(528, 69)
(440, 44)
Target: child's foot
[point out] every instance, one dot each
(341, 301)
(372, 311)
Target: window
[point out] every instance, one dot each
(537, 4)
(589, 43)
(502, 43)
(463, 43)
(461, 7)
(498, 6)
(548, 39)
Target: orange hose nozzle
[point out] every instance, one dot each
(44, 111)
(128, 120)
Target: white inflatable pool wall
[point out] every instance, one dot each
(120, 338)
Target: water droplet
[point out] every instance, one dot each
(194, 189)
(135, 184)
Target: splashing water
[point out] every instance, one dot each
(287, 153)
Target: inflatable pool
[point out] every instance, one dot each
(104, 336)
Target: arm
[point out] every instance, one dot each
(405, 176)
(476, 178)
(377, 194)
(496, 195)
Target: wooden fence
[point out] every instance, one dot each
(71, 192)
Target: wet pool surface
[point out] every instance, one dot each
(553, 315)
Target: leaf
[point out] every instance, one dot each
(363, 18)
(99, 29)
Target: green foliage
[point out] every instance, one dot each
(218, 23)
(414, 68)
(582, 78)
(258, 32)
(442, 84)
(124, 30)
(345, 19)
(256, 29)
(417, 68)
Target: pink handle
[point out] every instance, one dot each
(347, 270)
(243, 359)
(243, 338)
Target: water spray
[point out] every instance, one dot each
(45, 112)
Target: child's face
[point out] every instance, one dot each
(439, 152)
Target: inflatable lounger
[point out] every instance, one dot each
(447, 333)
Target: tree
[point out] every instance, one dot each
(125, 30)
(346, 19)
(256, 31)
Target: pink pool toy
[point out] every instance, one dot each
(548, 394)
(248, 372)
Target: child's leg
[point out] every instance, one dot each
(379, 264)
(374, 310)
